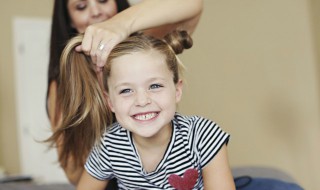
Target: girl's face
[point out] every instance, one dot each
(86, 12)
(142, 93)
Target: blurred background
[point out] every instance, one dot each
(254, 69)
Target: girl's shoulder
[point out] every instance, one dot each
(115, 130)
(192, 121)
(115, 135)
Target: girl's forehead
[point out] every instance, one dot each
(145, 56)
(139, 63)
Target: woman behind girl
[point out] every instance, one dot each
(104, 23)
(151, 146)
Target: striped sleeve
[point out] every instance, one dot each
(98, 165)
(209, 139)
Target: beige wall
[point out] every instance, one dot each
(253, 69)
(315, 13)
(9, 150)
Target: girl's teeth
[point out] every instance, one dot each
(146, 116)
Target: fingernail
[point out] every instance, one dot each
(99, 69)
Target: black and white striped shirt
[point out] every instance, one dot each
(194, 142)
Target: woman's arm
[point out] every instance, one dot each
(217, 173)
(52, 103)
(161, 15)
(88, 182)
(73, 172)
(154, 13)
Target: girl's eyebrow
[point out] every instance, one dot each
(148, 81)
(156, 78)
(122, 84)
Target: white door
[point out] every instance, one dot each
(31, 52)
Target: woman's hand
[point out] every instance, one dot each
(161, 16)
(100, 38)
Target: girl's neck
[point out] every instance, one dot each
(158, 140)
(152, 150)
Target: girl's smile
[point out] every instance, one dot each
(145, 116)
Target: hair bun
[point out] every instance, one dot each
(179, 40)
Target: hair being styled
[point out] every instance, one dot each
(61, 32)
(85, 114)
(82, 105)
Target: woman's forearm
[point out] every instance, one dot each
(73, 173)
(72, 170)
(148, 14)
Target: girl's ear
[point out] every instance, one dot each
(179, 87)
(107, 97)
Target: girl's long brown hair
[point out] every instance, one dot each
(82, 104)
(85, 114)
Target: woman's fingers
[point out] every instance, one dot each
(79, 48)
(87, 40)
(99, 39)
(97, 44)
(105, 51)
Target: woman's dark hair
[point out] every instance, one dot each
(61, 32)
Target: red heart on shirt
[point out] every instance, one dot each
(186, 182)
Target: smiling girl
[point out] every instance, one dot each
(151, 146)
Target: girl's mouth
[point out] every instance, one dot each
(145, 116)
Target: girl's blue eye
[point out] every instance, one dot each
(124, 91)
(155, 86)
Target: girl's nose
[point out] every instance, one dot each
(142, 99)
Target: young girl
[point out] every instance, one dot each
(150, 146)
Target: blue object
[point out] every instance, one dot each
(254, 183)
